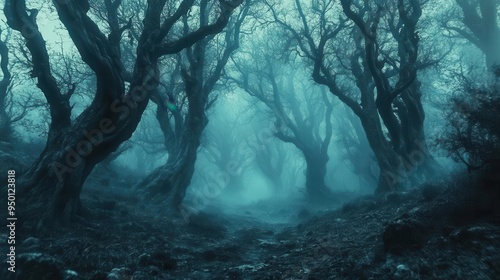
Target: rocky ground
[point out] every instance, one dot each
(421, 234)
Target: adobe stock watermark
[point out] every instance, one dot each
(217, 181)
(408, 166)
(123, 107)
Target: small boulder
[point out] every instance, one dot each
(30, 242)
(403, 272)
(71, 275)
(121, 273)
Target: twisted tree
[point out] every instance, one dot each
(356, 149)
(479, 26)
(301, 120)
(5, 85)
(380, 61)
(200, 70)
(53, 183)
(10, 111)
(271, 162)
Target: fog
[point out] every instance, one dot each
(241, 139)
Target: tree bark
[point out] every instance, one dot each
(421, 165)
(315, 177)
(174, 177)
(51, 187)
(199, 80)
(5, 120)
(481, 19)
(389, 178)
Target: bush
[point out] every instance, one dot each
(473, 132)
(473, 137)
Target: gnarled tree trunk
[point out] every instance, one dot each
(480, 18)
(5, 121)
(200, 77)
(51, 187)
(315, 176)
(174, 177)
(389, 178)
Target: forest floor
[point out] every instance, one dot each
(399, 236)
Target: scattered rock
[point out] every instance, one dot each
(30, 242)
(253, 268)
(402, 267)
(121, 273)
(71, 275)
(403, 272)
(267, 244)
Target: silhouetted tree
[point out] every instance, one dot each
(472, 135)
(5, 84)
(375, 47)
(271, 161)
(480, 27)
(227, 152)
(357, 151)
(9, 112)
(200, 70)
(53, 184)
(301, 119)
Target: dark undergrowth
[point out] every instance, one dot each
(435, 232)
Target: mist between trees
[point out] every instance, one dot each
(194, 101)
